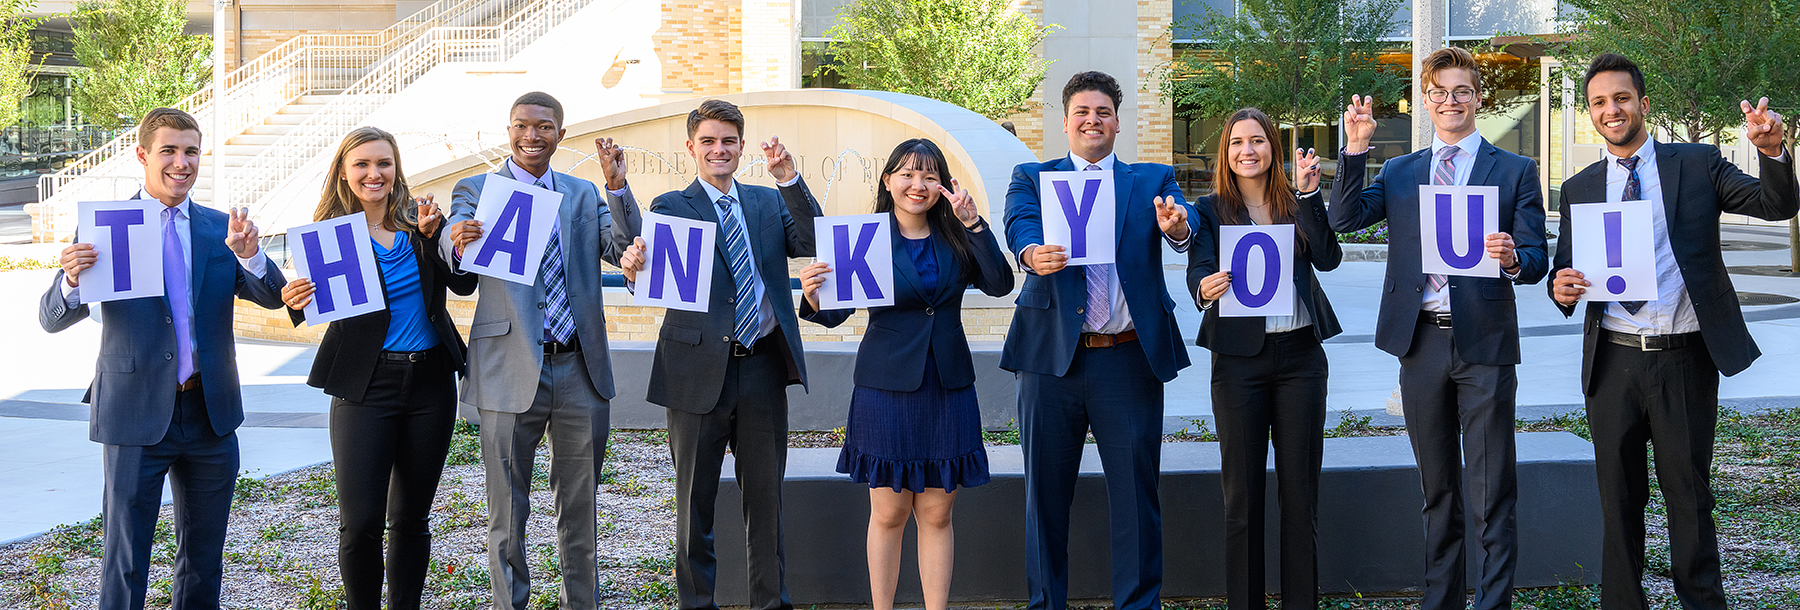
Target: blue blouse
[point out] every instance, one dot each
(408, 330)
(924, 261)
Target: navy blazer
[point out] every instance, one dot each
(351, 347)
(1046, 327)
(1243, 336)
(132, 396)
(1698, 185)
(893, 350)
(1484, 320)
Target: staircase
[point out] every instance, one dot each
(241, 148)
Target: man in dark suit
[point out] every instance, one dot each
(538, 360)
(723, 374)
(1457, 337)
(165, 395)
(1092, 348)
(1650, 369)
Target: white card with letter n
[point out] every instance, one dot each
(516, 220)
(128, 248)
(860, 251)
(338, 257)
(1259, 258)
(1454, 222)
(1615, 250)
(1079, 214)
(678, 263)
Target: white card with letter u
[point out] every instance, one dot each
(1454, 222)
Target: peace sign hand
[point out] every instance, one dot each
(960, 203)
(241, 234)
(1306, 167)
(1359, 124)
(612, 163)
(778, 160)
(429, 217)
(1172, 218)
(1763, 127)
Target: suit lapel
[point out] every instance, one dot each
(705, 210)
(1422, 170)
(1122, 183)
(1484, 164)
(904, 264)
(201, 230)
(1668, 167)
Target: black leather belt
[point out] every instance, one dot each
(403, 356)
(553, 347)
(1432, 318)
(1651, 343)
(739, 350)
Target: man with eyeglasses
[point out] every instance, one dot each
(1457, 337)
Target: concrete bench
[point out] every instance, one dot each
(1371, 533)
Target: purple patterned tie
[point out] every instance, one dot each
(1634, 191)
(1444, 175)
(175, 288)
(1099, 288)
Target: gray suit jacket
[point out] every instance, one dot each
(506, 349)
(132, 396)
(694, 348)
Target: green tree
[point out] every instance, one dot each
(977, 54)
(16, 58)
(1297, 60)
(136, 58)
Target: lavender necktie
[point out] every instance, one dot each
(1099, 288)
(175, 289)
(1443, 175)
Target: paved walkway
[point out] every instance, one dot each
(50, 472)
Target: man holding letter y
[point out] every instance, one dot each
(165, 391)
(1092, 347)
(1457, 337)
(1650, 369)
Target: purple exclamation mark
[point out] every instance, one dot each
(1614, 250)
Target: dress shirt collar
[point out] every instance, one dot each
(1645, 153)
(185, 203)
(1466, 147)
(713, 193)
(1105, 163)
(521, 175)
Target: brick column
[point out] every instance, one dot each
(1030, 124)
(770, 45)
(1155, 118)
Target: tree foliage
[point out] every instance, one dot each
(977, 54)
(1297, 60)
(1699, 57)
(136, 58)
(16, 58)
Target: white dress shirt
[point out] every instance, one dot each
(765, 314)
(1672, 312)
(1464, 161)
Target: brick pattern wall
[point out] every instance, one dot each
(695, 46)
(1155, 118)
(770, 45)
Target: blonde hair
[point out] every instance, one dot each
(339, 197)
(1447, 58)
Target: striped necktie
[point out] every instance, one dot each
(1443, 175)
(1634, 191)
(560, 322)
(737, 247)
(1099, 287)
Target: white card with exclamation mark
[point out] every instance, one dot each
(1614, 249)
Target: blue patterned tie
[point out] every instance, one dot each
(737, 246)
(561, 327)
(1634, 191)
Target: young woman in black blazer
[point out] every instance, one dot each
(915, 429)
(1268, 374)
(391, 376)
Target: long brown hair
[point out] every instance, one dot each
(339, 196)
(1228, 201)
(924, 155)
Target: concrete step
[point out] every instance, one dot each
(269, 130)
(288, 119)
(254, 140)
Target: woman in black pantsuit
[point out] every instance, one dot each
(391, 374)
(1268, 373)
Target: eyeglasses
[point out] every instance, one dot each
(1439, 96)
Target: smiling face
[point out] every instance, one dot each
(1454, 120)
(369, 169)
(171, 160)
(533, 135)
(716, 147)
(1251, 153)
(1617, 111)
(913, 186)
(1092, 124)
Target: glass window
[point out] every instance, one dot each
(812, 55)
(1194, 12)
(817, 16)
(1491, 17)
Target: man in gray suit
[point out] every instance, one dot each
(538, 361)
(724, 373)
(165, 393)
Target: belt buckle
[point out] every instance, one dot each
(1653, 343)
(1098, 340)
(740, 350)
(415, 356)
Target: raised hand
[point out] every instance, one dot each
(1568, 286)
(74, 259)
(1172, 218)
(612, 163)
(1214, 286)
(778, 160)
(811, 278)
(960, 203)
(463, 233)
(297, 294)
(1763, 127)
(632, 261)
(1359, 124)
(1045, 260)
(429, 217)
(241, 234)
(1306, 170)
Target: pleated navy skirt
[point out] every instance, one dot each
(929, 437)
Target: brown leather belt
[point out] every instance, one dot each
(1099, 340)
(1651, 343)
(193, 383)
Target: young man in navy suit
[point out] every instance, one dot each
(1457, 337)
(1092, 347)
(1650, 369)
(165, 394)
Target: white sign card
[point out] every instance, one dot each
(339, 258)
(1260, 259)
(678, 263)
(127, 240)
(1454, 222)
(1079, 213)
(516, 220)
(860, 251)
(1614, 248)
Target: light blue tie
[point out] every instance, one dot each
(561, 327)
(737, 246)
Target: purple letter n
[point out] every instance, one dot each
(668, 256)
(117, 221)
(347, 266)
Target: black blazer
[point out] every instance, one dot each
(1485, 320)
(352, 346)
(1244, 336)
(892, 354)
(1697, 186)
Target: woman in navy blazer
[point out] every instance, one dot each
(1268, 373)
(391, 376)
(915, 429)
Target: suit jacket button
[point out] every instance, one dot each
(540, 305)
(168, 320)
(168, 356)
(1418, 289)
(726, 339)
(930, 312)
(1081, 310)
